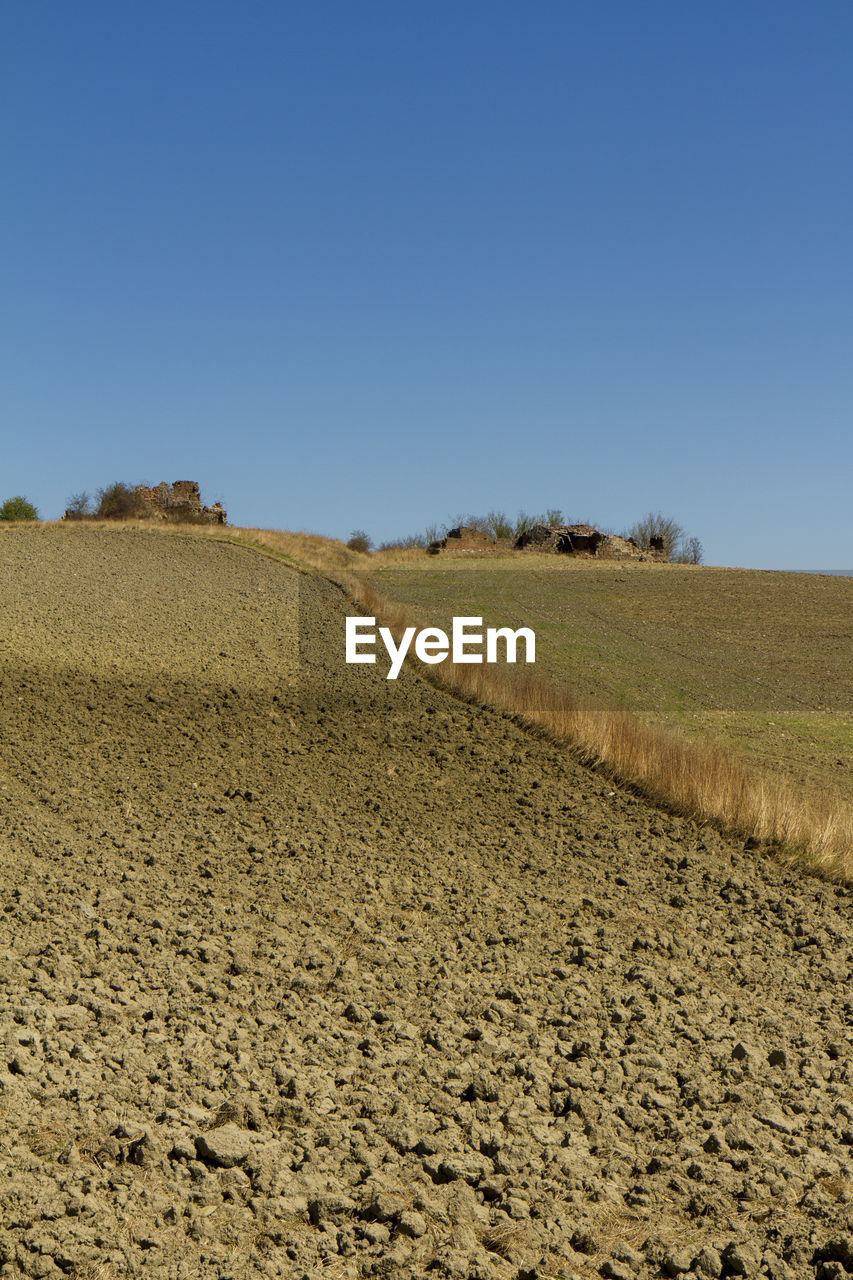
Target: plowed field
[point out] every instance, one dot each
(306, 972)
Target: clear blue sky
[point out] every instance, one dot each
(368, 264)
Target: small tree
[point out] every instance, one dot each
(479, 524)
(656, 532)
(119, 501)
(359, 541)
(498, 525)
(690, 551)
(79, 506)
(553, 516)
(412, 542)
(18, 508)
(524, 523)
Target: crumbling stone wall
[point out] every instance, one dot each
(564, 539)
(180, 501)
(540, 537)
(463, 538)
(614, 547)
(577, 539)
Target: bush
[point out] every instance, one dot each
(359, 541)
(524, 523)
(690, 551)
(18, 508)
(498, 525)
(79, 506)
(119, 501)
(414, 542)
(477, 524)
(553, 516)
(656, 532)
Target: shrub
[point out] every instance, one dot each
(498, 525)
(690, 551)
(479, 524)
(18, 508)
(119, 501)
(360, 541)
(524, 523)
(414, 542)
(79, 506)
(656, 532)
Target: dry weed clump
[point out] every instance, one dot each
(698, 780)
(45, 1140)
(508, 1240)
(91, 1271)
(228, 1113)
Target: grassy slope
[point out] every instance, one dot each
(759, 661)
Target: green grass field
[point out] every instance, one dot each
(759, 661)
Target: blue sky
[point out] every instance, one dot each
(372, 264)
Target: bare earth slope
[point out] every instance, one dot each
(304, 972)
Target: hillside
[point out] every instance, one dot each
(305, 972)
(760, 662)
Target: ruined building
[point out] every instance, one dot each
(180, 501)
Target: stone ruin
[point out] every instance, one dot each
(463, 538)
(578, 539)
(180, 501)
(564, 539)
(613, 547)
(561, 539)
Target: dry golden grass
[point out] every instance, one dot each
(45, 1140)
(699, 780)
(228, 1113)
(507, 1241)
(328, 555)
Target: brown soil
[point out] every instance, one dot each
(305, 972)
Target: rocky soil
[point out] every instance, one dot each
(307, 973)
